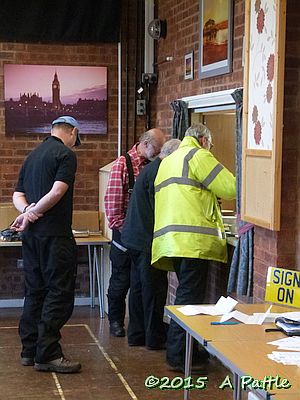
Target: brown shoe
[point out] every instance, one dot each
(60, 365)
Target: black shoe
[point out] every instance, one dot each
(116, 329)
(27, 361)
(196, 368)
(136, 344)
(161, 346)
(60, 365)
(201, 355)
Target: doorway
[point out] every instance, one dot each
(222, 126)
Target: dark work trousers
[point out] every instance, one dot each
(119, 281)
(50, 265)
(192, 278)
(147, 298)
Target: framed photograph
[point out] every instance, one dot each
(215, 42)
(35, 95)
(189, 66)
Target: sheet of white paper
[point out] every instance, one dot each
(257, 319)
(287, 341)
(194, 310)
(271, 317)
(291, 348)
(285, 357)
(238, 315)
(294, 315)
(223, 305)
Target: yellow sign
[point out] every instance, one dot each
(283, 287)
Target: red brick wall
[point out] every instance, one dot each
(270, 248)
(282, 248)
(96, 150)
(182, 18)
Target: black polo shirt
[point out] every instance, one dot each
(137, 231)
(51, 161)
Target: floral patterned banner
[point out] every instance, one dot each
(262, 49)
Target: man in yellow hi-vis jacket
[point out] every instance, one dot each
(188, 230)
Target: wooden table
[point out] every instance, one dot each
(95, 245)
(242, 348)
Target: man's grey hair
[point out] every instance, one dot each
(168, 148)
(145, 136)
(198, 131)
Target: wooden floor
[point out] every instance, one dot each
(110, 369)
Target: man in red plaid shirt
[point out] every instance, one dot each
(116, 201)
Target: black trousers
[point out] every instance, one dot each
(192, 278)
(147, 298)
(119, 280)
(50, 265)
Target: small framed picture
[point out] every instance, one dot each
(215, 46)
(189, 66)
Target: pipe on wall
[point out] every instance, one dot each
(119, 99)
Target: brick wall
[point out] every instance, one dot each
(276, 248)
(270, 248)
(182, 38)
(96, 150)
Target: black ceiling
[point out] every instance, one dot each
(52, 21)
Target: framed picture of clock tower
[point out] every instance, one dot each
(37, 94)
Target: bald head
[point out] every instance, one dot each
(151, 143)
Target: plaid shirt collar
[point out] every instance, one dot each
(136, 159)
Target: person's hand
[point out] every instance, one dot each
(20, 223)
(32, 215)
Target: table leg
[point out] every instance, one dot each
(188, 361)
(92, 278)
(98, 263)
(237, 387)
(94, 271)
(102, 279)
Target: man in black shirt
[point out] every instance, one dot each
(148, 286)
(44, 196)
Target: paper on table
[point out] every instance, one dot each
(223, 305)
(289, 343)
(271, 317)
(255, 319)
(285, 357)
(292, 340)
(294, 315)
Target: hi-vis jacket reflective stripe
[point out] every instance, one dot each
(188, 220)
